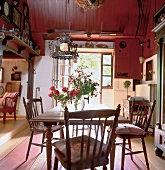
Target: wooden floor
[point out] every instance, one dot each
(13, 151)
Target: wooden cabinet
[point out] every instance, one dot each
(160, 126)
(127, 63)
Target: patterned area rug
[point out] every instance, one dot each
(13, 153)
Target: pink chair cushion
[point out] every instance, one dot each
(9, 100)
(129, 129)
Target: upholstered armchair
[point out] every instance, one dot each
(8, 102)
(8, 105)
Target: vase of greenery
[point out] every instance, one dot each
(126, 85)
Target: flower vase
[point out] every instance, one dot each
(82, 104)
(76, 105)
(63, 104)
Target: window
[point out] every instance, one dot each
(107, 70)
(64, 70)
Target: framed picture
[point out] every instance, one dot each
(16, 76)
(5, 10)
(27, 27)
(16, 17)
(25, 10)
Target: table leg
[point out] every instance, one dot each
(49, 136)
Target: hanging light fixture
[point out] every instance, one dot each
(63, 47)
(89, 4)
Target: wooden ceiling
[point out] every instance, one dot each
(126, 17)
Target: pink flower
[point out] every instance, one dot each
(50, 94)
(64, 89)
(71, 93)
(76, 92)
(52, 88)
(56, 92)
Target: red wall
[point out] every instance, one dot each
(148, 52)
(127, 63)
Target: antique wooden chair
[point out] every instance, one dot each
(135, 107)
(34, 107)
(138, 129)
(87, 151)
(8, 102)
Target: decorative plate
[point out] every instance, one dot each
(102, 46)
(89, 45)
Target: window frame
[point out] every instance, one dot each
(102, 65)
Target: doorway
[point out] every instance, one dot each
(93, 62)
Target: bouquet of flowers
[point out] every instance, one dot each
(81, 80)
(65, 95)
(62, 96)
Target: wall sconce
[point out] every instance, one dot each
(141, 59)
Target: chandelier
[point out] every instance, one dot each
(89, 4)
(63, 47)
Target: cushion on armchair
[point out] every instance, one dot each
(9, 100)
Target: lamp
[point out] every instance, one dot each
(89, 4)
(141, 58)
(63, 47)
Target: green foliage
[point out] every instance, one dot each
(127, 84)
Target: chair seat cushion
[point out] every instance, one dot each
(129, 129)
(75, 143)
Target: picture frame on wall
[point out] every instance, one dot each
(16, 17)
(16, 76)
(26, 10)
(5, 10)
(26, 26)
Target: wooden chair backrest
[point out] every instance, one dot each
(33, 108)
(144, 114)
(99, 118)
(13, 87)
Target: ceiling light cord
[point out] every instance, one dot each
(65, 14)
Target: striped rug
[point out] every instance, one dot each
(13, 153)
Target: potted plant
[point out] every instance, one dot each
(126, 85)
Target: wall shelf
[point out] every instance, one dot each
(22, 46)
